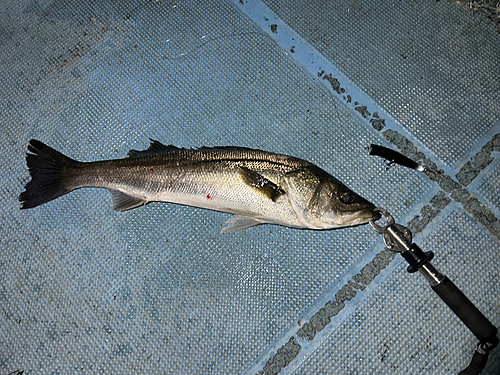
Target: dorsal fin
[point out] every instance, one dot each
(228, 148)
(154, 148)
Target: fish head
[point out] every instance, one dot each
(323, 202)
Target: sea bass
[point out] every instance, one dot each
(256, 186)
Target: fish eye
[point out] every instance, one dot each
(347, 197)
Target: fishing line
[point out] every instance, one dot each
(194, 49)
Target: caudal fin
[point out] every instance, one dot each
(47, 168)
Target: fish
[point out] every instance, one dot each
(257, 187)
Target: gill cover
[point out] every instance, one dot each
(314, 196)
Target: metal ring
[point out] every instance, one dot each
(388, 216)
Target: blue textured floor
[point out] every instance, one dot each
(158, 289)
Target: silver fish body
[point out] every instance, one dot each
(257, 186)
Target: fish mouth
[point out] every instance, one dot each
(373, 214)
(365, 216)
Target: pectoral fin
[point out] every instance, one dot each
(124, 202)
(260, 184)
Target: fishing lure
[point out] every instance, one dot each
(395, 157)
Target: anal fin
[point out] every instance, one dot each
(123, 202)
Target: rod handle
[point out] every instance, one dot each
(474, 319)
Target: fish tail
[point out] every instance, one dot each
(47, 168)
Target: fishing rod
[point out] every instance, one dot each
(398, 238)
